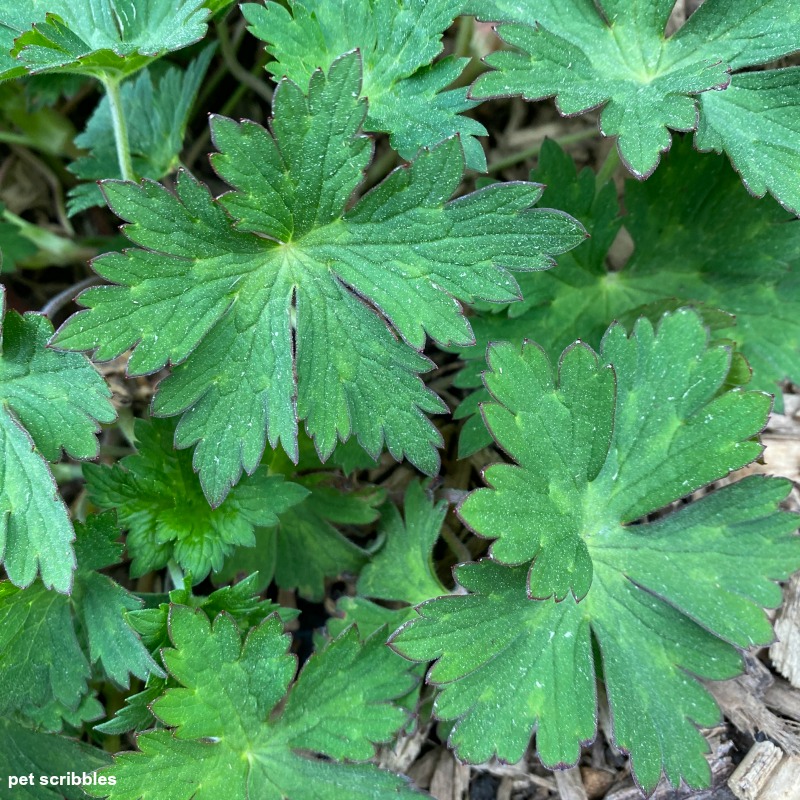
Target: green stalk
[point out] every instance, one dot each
(120, 129)
(609, 166)
(463, 45)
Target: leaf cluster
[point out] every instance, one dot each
(248, 594)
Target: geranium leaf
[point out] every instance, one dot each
(664, 600)
(43, 660)
(49, 402)
(699, 239)
(229, 299)
(91, 37)
(304, 547)
(159, 500)
(225, 739)
(397, 42)
(756, 122)
(615, 54)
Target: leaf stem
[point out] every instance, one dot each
(463, 46)
(609, 166)
(120, 129)
(260, 87)
(531, 152)
(175, 573)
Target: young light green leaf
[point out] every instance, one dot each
(403, 569)
(96, 38)
(699, 240)
(159, 500)
(664, 600)
(24, 751)
(397, 42)
(240, 601)
(615, 54)
(225, 739)
(221, 297)
(49, 402)
(156, 106)
(304, 547)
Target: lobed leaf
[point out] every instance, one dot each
(397, 41)
(403, 570)
(699, 240)
(45, 665)
(664, 601)
(225, 739)
(616, 55)
(49, 402)
(303, 547)
(281, 313)
(159, 500)
(105, 40)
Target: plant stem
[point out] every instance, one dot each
(531, 152)
(9, 137)
(54, 250)
(608, 167)
(463, 46)
(120, 129)
(55, 304)
(260, 87)
(175, 573)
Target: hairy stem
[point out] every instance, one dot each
(120, 130)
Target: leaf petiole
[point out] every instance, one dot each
(120, 129)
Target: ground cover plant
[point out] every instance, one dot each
(359, 398)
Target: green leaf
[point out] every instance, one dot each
(756, 122)
(158, 498)
(664, 600)
(266, 317)
(41, 659)
(24, 751)
(368, 616)
(96, 38)
(615, 54)
(155, 138)
(304, 547)
(101, 604)
(403, 568)
(397, 41)
(49, 402)
(699, 239)
(41, 633)
(241, 601)
(605, 441)
(14, 246)
(227, 743)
